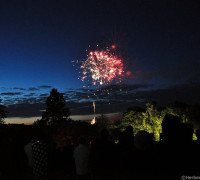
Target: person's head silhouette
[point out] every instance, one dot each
(170, 127)
(129, 130)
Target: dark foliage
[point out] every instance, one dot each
(2, 113)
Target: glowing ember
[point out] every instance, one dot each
(103, 67)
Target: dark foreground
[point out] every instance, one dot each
(55, 155)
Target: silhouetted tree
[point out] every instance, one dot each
(2, 113)
(56, 111)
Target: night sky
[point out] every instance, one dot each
(158, 40)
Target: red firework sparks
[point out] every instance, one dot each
(128, 73)
(102, 67)
(113, 46)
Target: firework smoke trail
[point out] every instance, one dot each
(94, 119)
(102, 67)
(94, 107)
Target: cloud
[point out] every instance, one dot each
(33, 89)
(30, 95)
(44, 95)
(45, 87)
(113, 98)
(11, 93)
(17, 88)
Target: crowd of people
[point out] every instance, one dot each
(128, 157)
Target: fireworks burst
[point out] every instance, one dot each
(102, 67)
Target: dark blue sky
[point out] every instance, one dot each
(159, 41)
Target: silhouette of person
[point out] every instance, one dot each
(69, 164)
(129, 134)
(81, 156)
(40, 157)
(169, 146)
(28, 151)
(40, 164)
(144, 141)
(187, 149)
(197, 150)
(170, 129)
(102, 156)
